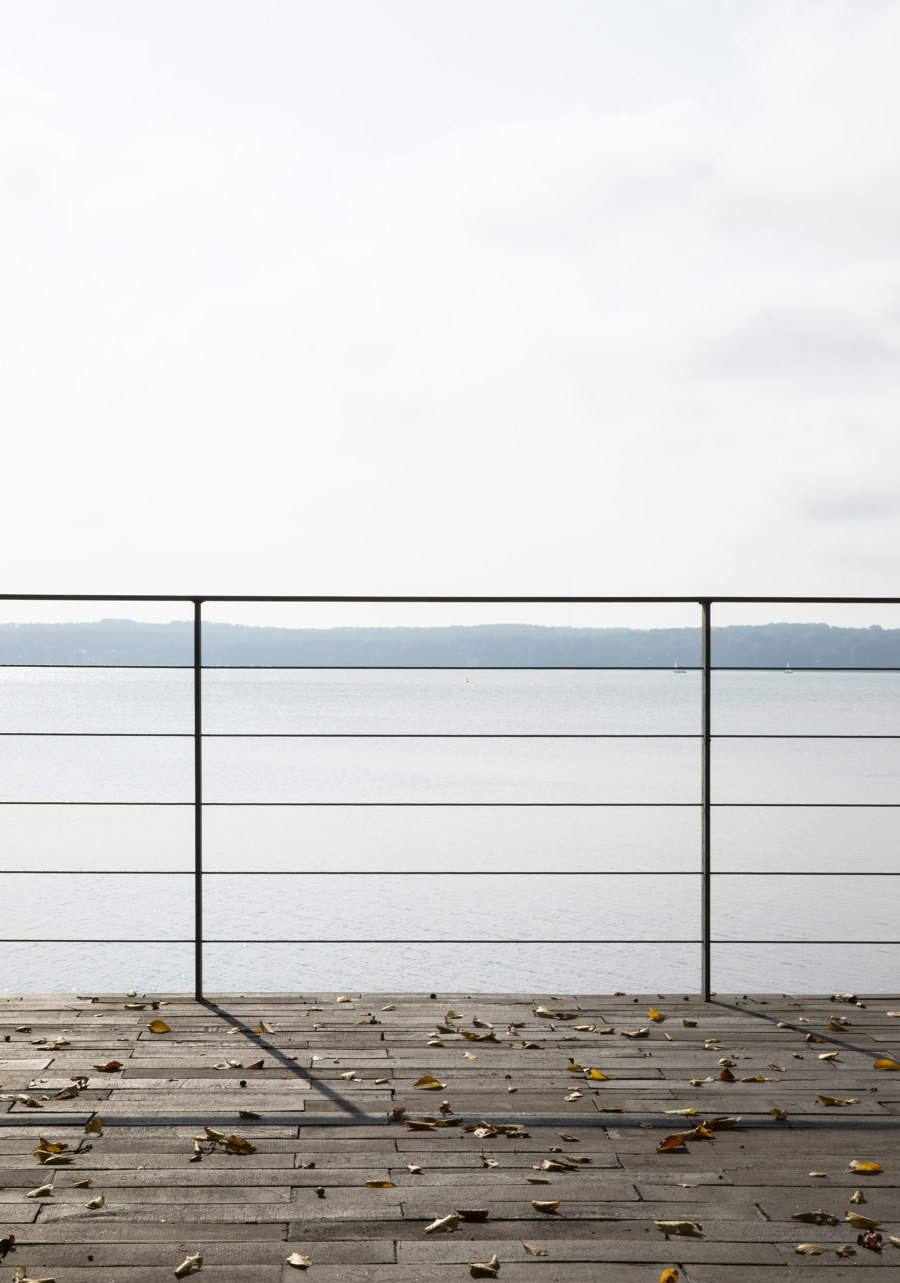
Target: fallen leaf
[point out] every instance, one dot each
(813, 1038)
(858, 1197)
(780, 1114)
(83, 1184)
(861, 1222)
(489, 1162)
(248, 1113)
(473, 1213)
(413, 1167)
(886, 1064)
(547, 1208)
(596, 1075)
(687, 1228)
(635, 1033)
(379, 1184)
(675, 1141)
(21, 1277)
(470, 1055)
(96, 1203)
(578, 1158)
(538, 1180)
(837, 1100)
(829, 1055)
(698, 1082)
(188, 1265)
(656, 1015)
(824, 1175)
(837, 1025)
(348, 1077)
(93, 1127)
(855, 1166)
(235, 1145)
(690, 1110)
(575, 1068)
(553, 1165)
(722, 1124)
(817, 1217)
(669, 1276)
(109, 1068)
(42, 1191)
(343, 998)
(427, 1083)
(135, 1006)
(872, 1241)
(727, 1076)
(845, 1249)
(689, 1024)
(533, 1250)
(443, 1224)
(485, 1269)
(298, 1261)
(810, 1249)
(159, 1027)
(895, 1241)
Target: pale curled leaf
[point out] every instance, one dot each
(810, 1249)
(688, 1228)
(858, 1197)
(547, 1208)
(96, 1203)
(533, 1250)
(42, 1191)
(443, 1224)
(298, 1261)
(189, 1264)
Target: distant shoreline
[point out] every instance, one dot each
(123, 641)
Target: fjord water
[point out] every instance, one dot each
(453, 807)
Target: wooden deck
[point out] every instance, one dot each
(334, 1072)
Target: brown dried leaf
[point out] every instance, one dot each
(533, 1250)
(188, 1265)
(159, 1027)
(109, 1068)
(818, 1217)
(473, 1213)
(675, 1141)
(93, 1127)
(485, 1269)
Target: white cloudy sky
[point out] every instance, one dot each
(450, 296)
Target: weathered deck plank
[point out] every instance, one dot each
(320, 1130)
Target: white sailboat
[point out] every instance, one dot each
(787, 667)
(676, 669)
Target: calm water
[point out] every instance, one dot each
(400, 834)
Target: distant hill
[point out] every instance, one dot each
(124, 641)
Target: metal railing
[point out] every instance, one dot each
(705, 805)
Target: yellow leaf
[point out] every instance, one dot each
(485, 1269)
(656, 1015)
(837, 1100)
(688, 1228)
(780, 1114)
(93, 1128)
(864, 1167)
(379, 1184)
(597, 1076)
(427, 1083)
(547, 1208)
(235, 1145)
(692, 1110)
(810, 1249)
(886, 1064)
(669, 1276)
(533, 1250)
(189, 1264)
(159, 1027)
(689, 1024)
(575, 1068)
(861, 1222)
(675, 1141)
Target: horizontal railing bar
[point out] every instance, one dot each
(429, 735)
(412, 600)
(856, 806)
(442, 940)
(464, 873)
(463, 668)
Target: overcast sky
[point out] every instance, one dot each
(450, 296)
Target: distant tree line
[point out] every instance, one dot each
(123, 641)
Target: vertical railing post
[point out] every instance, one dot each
(706, 848)
(198, 806)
